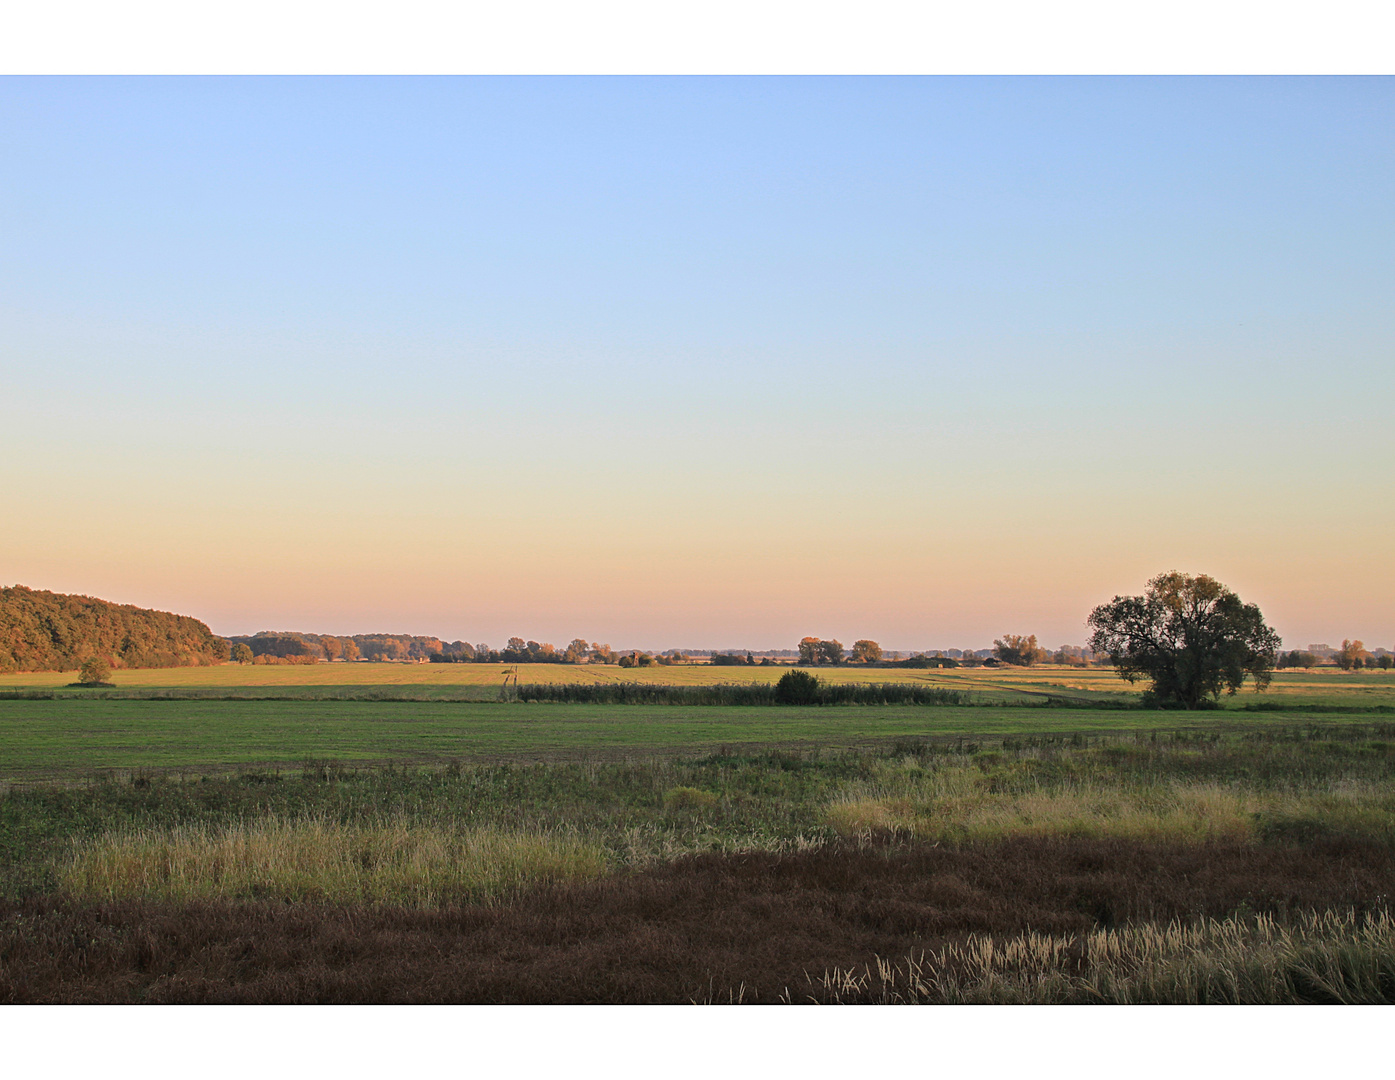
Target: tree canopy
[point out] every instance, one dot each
(866, 651)
(1017, 649)
(45, 631)
(814, 650)
(1191, 637)
(1351, 655)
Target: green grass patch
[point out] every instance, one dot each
(74, 737)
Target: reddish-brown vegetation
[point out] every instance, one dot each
(688, 930)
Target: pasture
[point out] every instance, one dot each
(1326, 688)
(73, 738)
(1184, 866)
(397, 832)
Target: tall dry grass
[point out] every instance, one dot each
(316, 859)
(960, 803)
(1313, 958)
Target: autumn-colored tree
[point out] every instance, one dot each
(866, 652)
(44, 631)
(242, 653)
(814, 650)
(1351, 655)
(1019, 650)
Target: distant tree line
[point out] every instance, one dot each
(578, 651)
(290, 647)
(46, 631)
(1016, 649)
(1352, 656)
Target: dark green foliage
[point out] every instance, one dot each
(44, 631)
(797, 688)
(1191, 637)
(743, 693)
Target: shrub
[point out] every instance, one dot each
(797, 688)
(95, 670)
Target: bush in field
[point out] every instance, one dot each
(797, 688)
(95, 670)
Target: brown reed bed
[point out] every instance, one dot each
(759, 926)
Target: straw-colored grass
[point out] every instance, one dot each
(322, 860)
(963, 805)
(1317, 957)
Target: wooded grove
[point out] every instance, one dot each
(45, 631)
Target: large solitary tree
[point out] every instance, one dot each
(1191, 637)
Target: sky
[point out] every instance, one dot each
(699, 362)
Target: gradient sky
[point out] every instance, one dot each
(699, 362)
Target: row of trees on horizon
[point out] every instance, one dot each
(45, 631)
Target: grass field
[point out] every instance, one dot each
(235, 716)
(1253, 866)
(481, 681)
(385, 832)
(73, 738)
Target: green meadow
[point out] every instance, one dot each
(396, 832)
(69, 737)
(233, 716)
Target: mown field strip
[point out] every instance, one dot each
(1323, 687)
(70, 737)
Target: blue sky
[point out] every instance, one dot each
(611, 356)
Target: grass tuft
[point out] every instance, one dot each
(1312, 958)
(322, 860)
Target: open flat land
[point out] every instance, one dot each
(396, 832)
(236, 716)
(65, 738)
(1318, 687)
